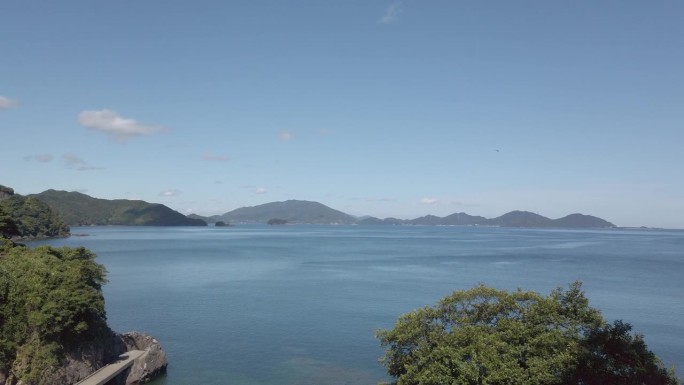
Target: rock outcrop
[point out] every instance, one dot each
(81, 362)
(148, 366)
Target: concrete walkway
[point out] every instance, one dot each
(106, 373)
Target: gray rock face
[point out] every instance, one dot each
(148, 366)
(80, 362)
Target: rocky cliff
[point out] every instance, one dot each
(53, 325)
(148, 366)
(81, 362)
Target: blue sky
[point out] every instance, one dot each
(371, 107)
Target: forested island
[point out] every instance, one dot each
(306, 212)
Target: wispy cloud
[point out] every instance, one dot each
(74, 162)
(391, 13)
(7, 103)
(464, 204)
(286, 136)
(169, 193)
(111, 123)
(216, 157)
(42, 158)
(260, 190)
(429, 201)
(379, 199)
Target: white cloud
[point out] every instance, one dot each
(216, 157)
(42, 158)
(260, 190)
(110, 122)
(286, 136)
(74, 162)
(169, 193)
(429, 201)
(391, 13)
(7, 103)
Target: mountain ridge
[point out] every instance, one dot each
(298, 211)
(292, 211)
(79, 209)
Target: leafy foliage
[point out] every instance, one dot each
(8, 227)
(5, 192)
(30, 217)
(50, 300)
(489, 336)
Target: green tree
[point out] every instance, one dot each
(8, 227)
(32, 218)
(50, 301)
(489, 336)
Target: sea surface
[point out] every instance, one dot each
(300, 304)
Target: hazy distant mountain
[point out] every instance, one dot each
(528, 219)
(79, 209)
(511, 219)
(378, 221)
(293, 211)
(430, 220)
(520, 219)
(581, 220)
(463, 219)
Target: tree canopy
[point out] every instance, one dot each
(27, 217)
(489, 336)
(8, 226)
(50, 301)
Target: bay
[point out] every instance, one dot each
(300, 304)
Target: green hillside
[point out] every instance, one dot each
(27, 217)
(80, 210)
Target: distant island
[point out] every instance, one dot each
(307, 212)
(292, 211)
(79, 209)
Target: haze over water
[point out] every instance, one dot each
(300, 304)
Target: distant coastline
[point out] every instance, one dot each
(78, 209)
(306, 212)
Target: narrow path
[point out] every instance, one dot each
(106, 373)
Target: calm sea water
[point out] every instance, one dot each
(300, 304)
